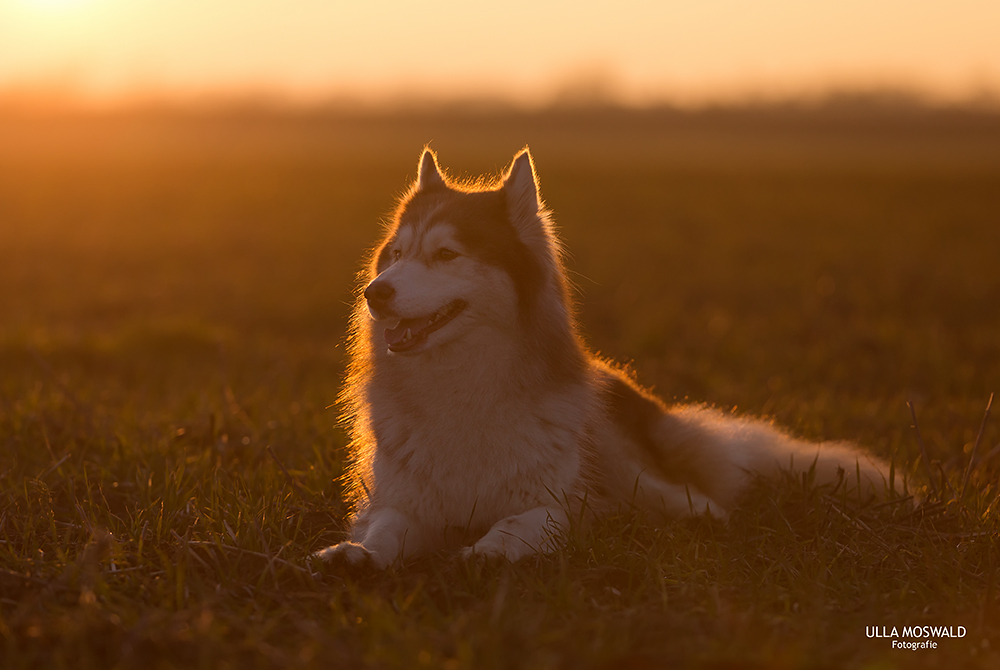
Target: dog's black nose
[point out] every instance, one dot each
(379, 293)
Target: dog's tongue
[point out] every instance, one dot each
(394, 336)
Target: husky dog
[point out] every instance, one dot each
(476, 412)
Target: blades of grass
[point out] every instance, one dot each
(472, 514)
(54, 466)
(271, 559)
(975, 448)
(583, 505)
(857, 471)
(946, 483)
(989, 508)
(186, 544)
(142, 541)
(987, 605)
(892, 478)
(923, 451)
(291, 480)
(498, 600)
(890, 503)
(48, 445)
(862, 526)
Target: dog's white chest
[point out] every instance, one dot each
(472, 459)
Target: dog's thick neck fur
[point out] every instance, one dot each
(473, 378)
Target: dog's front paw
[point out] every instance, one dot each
(490, 550)
(347, 553)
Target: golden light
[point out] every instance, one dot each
(52, 4)
(643, 52)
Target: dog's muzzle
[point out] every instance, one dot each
(378, 294)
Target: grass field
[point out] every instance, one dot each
(173, 298)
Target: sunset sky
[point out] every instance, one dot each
(526, 51)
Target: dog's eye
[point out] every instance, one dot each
(444, 254)
(396, 254)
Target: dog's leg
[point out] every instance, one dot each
(532, 532)
(388, 536)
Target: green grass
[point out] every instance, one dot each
(174, 293)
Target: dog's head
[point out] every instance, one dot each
(460, 257)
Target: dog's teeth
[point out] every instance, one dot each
(435, 317)
(407, 335)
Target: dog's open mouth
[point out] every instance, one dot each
(408, 333)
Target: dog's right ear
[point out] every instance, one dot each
(521, 186)
(429, 174)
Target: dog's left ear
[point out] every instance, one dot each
(521, 186)
(429, 174)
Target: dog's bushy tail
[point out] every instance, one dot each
(722, 453)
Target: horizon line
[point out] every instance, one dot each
(63, 100)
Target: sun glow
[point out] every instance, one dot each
(390, 49)
(52, 4)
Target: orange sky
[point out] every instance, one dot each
(686, 51)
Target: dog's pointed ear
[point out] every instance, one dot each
(429, 174)
(521, 186)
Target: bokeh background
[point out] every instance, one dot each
(526, 53)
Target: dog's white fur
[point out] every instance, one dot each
(493, 427)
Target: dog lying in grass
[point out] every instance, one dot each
(474, 405)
